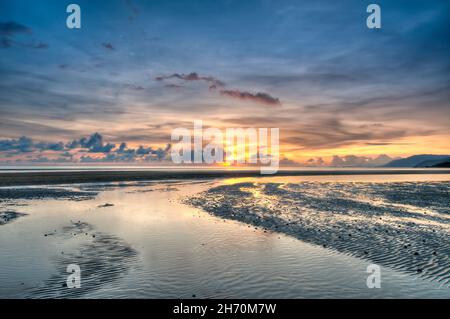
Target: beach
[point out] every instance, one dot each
(236, 236)
(32, 176)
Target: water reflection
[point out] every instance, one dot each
(178, 250)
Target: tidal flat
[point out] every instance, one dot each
(269, 237)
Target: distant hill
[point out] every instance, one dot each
(424, 160)
(442, 164)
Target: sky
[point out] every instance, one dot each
(114, 90)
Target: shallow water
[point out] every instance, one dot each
(148, 244)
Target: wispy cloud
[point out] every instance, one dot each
(11, 28)
(214, 83)
(259, 97)
(134, 11)
(8, 30)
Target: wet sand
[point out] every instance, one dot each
(31, 177)
(144, 239)
(403, 225)
(9, 216)
(103, 258)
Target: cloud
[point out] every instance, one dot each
(173, 86)
(318, 161)
(27, 145)
(11, 28)
(304, 130)
(288, 162)
(93, 144)
(214, 84)
(108, 45)
(325, 132)
(7, 32)
(259, 97)
(80, 150)
(133, 9)
(385, 143)
(40, 45)
(133, 87)
(320, 75)
(50, 146)
(23, 144)
(143, 151)
(193, 76)
(360, 161)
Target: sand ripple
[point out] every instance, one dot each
(405, 226)
(102, 258)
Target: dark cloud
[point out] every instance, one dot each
(143, 150)
(27, 145)
(259, 97)
(50, 146)
(11, 28)
(108, 46)
(23, 144)
(173, 86)
(93, 144)
(131, 155)
(213, 82)
(66, 152)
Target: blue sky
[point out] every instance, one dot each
(312, 68)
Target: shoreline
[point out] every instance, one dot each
(77, 177)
